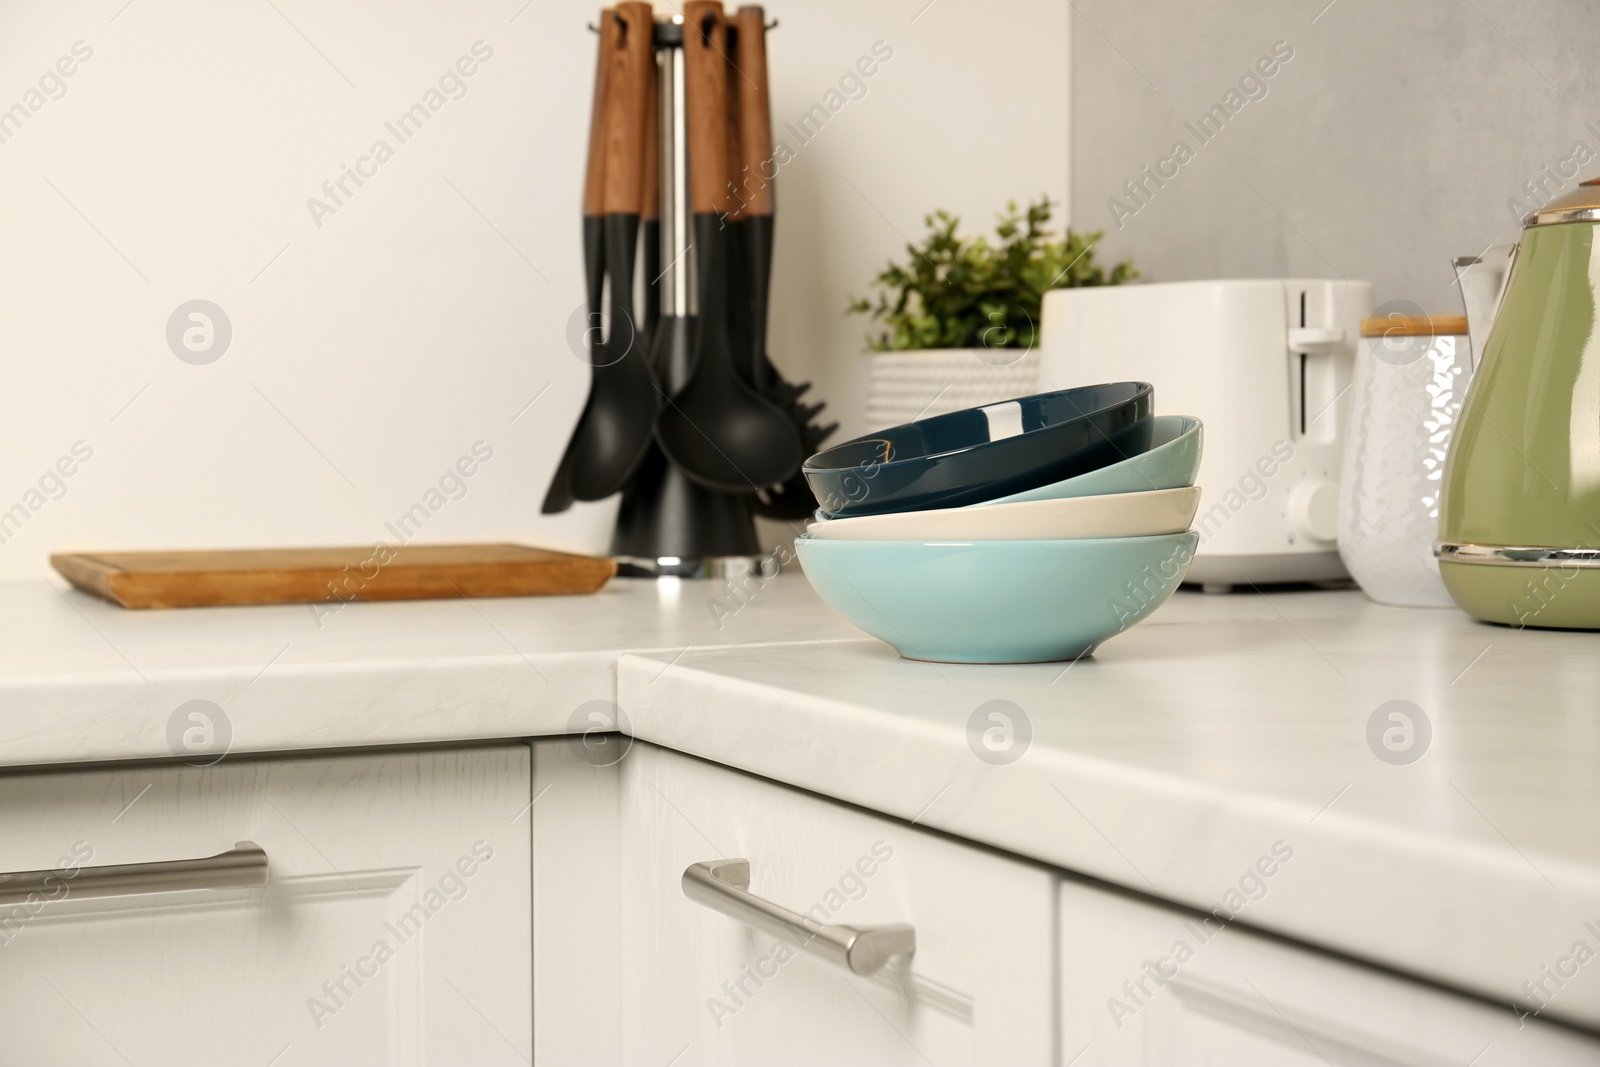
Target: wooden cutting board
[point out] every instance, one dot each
(329, 575)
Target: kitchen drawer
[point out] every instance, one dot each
(393, 928)
(1146, 984)
(702, 988)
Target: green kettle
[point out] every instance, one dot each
(1519, 519)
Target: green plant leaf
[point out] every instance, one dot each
(956, 292)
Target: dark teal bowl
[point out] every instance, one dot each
(970, 456)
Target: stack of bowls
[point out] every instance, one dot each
(1026, 531)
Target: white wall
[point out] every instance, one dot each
(1391, 143)
(425, 313)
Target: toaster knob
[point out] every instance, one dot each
(1314, 510)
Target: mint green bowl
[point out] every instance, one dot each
(1171, 462)
(996, 601)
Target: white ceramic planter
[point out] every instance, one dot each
(904, 386)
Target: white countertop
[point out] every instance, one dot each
(1178, 755)
(84, 680)
(1169, 763)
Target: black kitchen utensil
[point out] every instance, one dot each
(753, 178)
(663, 512)
(650, 209)
(558, 497)
(667, 522)
(718, 430)
(616, 426)
(738, 305)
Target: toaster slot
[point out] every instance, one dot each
(1302, 367)
(1314, 372)
(1302, 394)
(1318, 392)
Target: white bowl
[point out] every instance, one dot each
(1159, 511)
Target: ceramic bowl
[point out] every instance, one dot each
(1171, 461)
(996, 601)
(977, 454)
(1160, 511)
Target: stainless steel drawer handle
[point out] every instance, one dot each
(244, 866)
(724, 886)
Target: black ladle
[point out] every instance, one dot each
(718, 430)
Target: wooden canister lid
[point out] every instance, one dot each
(1414, 326)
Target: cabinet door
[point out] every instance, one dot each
(577, 901)
(1146, 984)
(702, 988)
(393, 928)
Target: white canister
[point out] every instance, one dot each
(1410, 380)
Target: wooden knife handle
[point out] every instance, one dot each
(594, 179)
(651, 208)
(626, 104)
(736, 203)
(753, 178)
(705, 68)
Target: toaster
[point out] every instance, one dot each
(1265, 365)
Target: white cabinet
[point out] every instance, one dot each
(701, 988)
(394, 927)
(1151, 985)
(1014, 963)
(577, 911)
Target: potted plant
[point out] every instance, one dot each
(961, 316)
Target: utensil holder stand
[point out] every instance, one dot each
(669, 525)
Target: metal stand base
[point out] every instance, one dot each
(720, 568)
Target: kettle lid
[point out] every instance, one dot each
(1581, 204)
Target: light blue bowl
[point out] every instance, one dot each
(1171, 462)
(996, 601)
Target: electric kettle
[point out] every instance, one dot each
(1519, 522)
